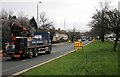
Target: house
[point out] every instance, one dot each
(60, 35)
(111, 36)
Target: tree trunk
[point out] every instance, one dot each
(115, 45)
(102, 37)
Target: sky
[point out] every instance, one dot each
(76, 13)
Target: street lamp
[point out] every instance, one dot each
(119, 6)
(37, 12)
(65, 24)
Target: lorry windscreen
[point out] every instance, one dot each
(37, 39)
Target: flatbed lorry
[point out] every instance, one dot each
(29, 46)
(22, 44)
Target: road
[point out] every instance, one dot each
(10, 66)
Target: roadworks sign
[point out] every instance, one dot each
(78, 45)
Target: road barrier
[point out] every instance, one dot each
(78, 45)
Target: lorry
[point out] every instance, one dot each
(23, 46)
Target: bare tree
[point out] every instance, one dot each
(104, 5)
(107, 20)
(43, 19)
(99, 24)
(4, 14)
(46, 25)
(113, 19)
(5, 20)
(5, 17)
(23, 20)
(74, 34)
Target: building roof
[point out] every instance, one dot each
(61, 31)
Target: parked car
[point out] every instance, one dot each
(84, 39)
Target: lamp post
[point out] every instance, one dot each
(65, 24)
(119, 6)
(38, 12)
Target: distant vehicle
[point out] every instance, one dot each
(79, 40)
(90, 39)
(115, 39)
(84, 39)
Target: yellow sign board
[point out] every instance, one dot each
(78, 45)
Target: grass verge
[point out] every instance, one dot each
(96, 59)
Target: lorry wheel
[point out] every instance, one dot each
(30, 55)
(35, 53)
(49, 50)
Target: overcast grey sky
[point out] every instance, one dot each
(76, 13)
